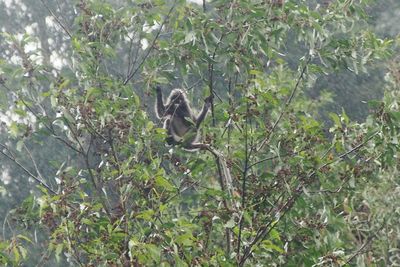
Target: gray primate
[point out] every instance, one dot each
(181, 123)
(182, 126)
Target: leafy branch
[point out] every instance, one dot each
(287, 103)
(298, 191)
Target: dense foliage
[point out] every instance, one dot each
(105, 190)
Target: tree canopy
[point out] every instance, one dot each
(80, 141)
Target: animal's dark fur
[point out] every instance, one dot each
(179, 118)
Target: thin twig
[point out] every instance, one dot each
(85, 154)
(288, 101)
(34, 177)
(5, 221)
(245, 169)
(97, 186)
(49, 128)
(151, 46)
(57, 19)
(33, 162)
(218, 163)
(131, 62)
(369, 240)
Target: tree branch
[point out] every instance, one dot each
(130, 76)
(30, 174)
(288, 101)
(57, 19)
(369, 240)
(265, 230)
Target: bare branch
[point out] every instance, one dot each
(49, 127)
(57, 19)
(30, 174)
(244, 175)
(33, 162)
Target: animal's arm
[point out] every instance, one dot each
(203, 112)
(160, 108)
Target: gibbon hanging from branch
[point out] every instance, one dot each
(182, 125)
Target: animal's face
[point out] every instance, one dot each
(178, 104)
(177, 98)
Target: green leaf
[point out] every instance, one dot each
(266, 244)
(395, 115)
(93, 92)
(146, 215)
(19, 145)
(190, 37)
(185, 239)
(164, 183)
(335, 119)
(23, 251)
(17, 256)
(59, 249)
(25, 238)
(179, 262)
(274, 234)
(14, 129)
(230, 224)
(154, 252)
